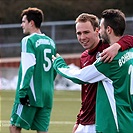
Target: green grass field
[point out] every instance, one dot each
(66, 106)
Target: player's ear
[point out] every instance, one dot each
(97, 29)
(32, 23)
(109, 29)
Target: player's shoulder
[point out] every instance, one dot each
(48, 39)
(27, 37)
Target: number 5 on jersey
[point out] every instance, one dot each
(46, 58)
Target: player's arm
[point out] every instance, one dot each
(88, 74)
(75, 128)
(27, 64)
(28, 61)
(77, 123)
(124, 43)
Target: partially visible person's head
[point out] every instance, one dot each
(34, 14)
(87, 30)
(112, 19)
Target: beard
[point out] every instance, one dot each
(105, 38)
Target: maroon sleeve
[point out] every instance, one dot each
(126, 42)
(78, 120)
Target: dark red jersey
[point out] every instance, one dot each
(86, 115)
(88, 91)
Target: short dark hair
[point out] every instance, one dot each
(34, 14)
(115, 19)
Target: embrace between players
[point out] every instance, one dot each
(106, 93)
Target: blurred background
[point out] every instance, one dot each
(59, 24)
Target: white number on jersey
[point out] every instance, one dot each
(49, 63)
(130, 71)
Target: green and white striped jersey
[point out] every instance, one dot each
(36, 73)
(114, 103)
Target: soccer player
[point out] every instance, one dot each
(34, 94)
(114, 105)
(87, 30)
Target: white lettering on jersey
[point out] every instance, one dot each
(126, 57)
(42, 41)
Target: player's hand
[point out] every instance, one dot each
(74, 128)
(54, 57)
(109, 53)
(25, 100)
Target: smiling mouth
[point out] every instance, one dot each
(85, 43)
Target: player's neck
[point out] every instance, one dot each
(36, 30)
(114, 39)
